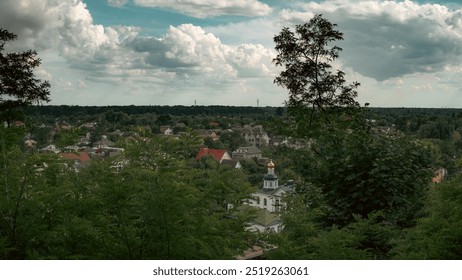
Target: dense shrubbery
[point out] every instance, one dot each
(157, 207)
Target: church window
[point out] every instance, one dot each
(265, 202)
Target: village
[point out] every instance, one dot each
(111, 147)
(240, 163)
(85, 149)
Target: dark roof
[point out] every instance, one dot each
(261, 216)
(230, 162)
(287, 189)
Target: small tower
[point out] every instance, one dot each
(270, 180)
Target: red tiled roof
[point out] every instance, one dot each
(217, 154)
(81, 156)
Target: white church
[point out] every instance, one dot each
(269, 200)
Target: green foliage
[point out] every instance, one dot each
(67, 137)
(361, 185)
(156, 207)
(18, 85)
(375, 233)
(304, 236)
(362, 173)
(30, 195)
(359, 171)
(42, 135)
(315, 91)
(438, 234)
(361, 193)
(232, 140)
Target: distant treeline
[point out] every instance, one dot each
(177, 110)
(429, 112)
(217, 110)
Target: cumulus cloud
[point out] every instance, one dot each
(188, 49)
(253, 60)
(117, 3)
(210, 8)
(63, 24)
(85, 55)
(67, 28)
(27, 19)
(116, 51)
(386, 39)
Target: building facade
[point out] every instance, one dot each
(269, 200)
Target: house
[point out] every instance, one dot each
(255, 136)
(219, 155)
(50, 149)
(62, 125)
(89, 125)
(104, 143)
(247, 152)
(80, 159)
(84, 140)
(71, 149)
(269, 201)
(289, 142)
(234, 163)
(166, 130)
(265, 221)
(204, 134)
(106, 151)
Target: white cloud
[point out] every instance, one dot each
(118, 53)
(210, 8)
(64, 25)
(43, 74)
(27, 19)
(253, 60)
(386, 39)
(259, 31)
(117, 3)
(190, 51)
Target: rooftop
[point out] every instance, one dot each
(217, 154)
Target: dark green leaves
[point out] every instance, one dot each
(306, 55)
(18, 85)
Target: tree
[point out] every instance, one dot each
(314, 89)
(438, 234)
(366, 173)
(360, 186)
(18, 85)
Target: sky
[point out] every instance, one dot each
(219, 52)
